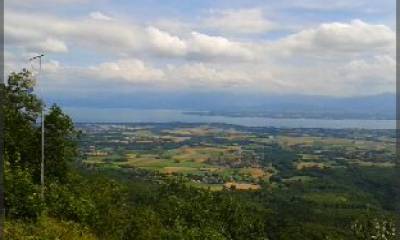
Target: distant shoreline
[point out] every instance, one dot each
(288, 115)
(126, 115)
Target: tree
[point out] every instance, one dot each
(374, 228)
(59, 149)
(22, 146)
(21, 109)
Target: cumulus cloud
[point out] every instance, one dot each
(242, 21)
(335, 58)
(50, 34)
(206, 76)
(356, 37)
(50, 45)
(100, 16)
(215, 46)
(24, 30)
(355, 77)
(173, 25)
(166, 43)
(380, 70)
(129, 70)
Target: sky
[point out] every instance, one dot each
(335, 48)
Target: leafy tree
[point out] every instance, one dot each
(22, 198)
(59, 147)
(21, 109)
(21, 144)
(374, 228)
(138, 225)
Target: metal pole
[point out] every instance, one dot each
(42, 119)
(42, 135)
(42, 162)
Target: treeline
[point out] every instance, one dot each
(79, 204)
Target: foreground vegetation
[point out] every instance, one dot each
(106, 197)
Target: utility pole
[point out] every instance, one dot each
(39, 57)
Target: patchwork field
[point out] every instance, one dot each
(243, 159)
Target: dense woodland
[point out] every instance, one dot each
(83, 204)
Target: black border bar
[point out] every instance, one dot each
(2, 207)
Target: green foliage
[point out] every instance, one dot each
(138, 226)
(21, 109)
(22, 198)
(59, 149)
(22, 146)
(282, 159)
(46, 228)
(94, 201)
(218, 212)
(379, 228)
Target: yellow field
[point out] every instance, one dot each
(373, 164)
(199, 131)
(202, 154)
(171, 170)
(254, 172)
(348, 143)
(303, 165)
(242, 186)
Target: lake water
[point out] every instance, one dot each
(119, 115)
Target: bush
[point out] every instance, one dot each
(143, 225)
(22, 196)
(46, 228)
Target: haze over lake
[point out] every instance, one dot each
(120, 115)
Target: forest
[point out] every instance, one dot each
(356, 202)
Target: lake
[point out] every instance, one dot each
(123, 115)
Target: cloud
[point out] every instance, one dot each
(128, 70)
(51, 66)
(379, 70)
(203, 45)
(358, 76)
(165, 43)
(51, 33)
(100, 16)
(30, 3)
(206, 76)
(241, 21)
(338, 5)
(356, 37)
(50, 45)
(333, 58)
(365, 7)
(173, 25)
(197, 45)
